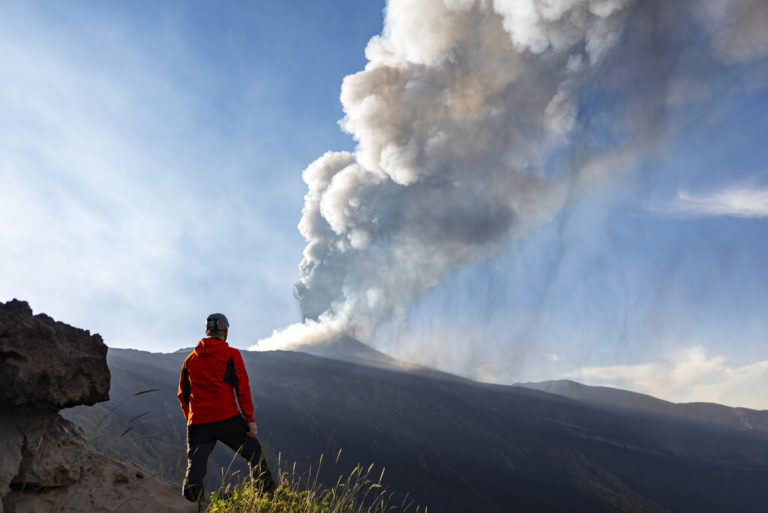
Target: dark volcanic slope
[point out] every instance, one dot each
(742, 418)
(460, 446)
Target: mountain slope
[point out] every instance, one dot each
(742, 418)
(460, 446)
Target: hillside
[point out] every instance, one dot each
(740, 418)
(457, 445)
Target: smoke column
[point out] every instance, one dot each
(477, 120)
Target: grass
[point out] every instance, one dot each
(360, 491)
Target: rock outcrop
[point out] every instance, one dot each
(46, 464)
(47, 363)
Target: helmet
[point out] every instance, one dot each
(216, 323)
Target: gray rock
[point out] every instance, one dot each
(47, 363)
(45, 463)
(11, 442)
(54, 450)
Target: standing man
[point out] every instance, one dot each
(212, 384)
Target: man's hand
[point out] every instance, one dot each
(252, 430)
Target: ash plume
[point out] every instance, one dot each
(476, 121)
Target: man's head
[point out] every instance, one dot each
(217, 326)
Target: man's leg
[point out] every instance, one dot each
(233, 434)
(199, 446)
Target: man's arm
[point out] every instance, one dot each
(243, 387)
(184, 390)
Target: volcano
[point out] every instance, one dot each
(451, 444)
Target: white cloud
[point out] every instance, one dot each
(736, 201)
(688, 375)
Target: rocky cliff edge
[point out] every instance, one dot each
(46, 464)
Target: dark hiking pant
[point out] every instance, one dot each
(201, 438)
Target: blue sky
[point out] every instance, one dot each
(152, 158)
(150, 168)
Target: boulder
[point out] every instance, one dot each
(54, 450)
(47, 363)
(46, 464)
(11, 442)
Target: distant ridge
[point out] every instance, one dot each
(344, 348)
(742, 418)
(350, 350)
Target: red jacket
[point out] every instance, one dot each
(212, 377)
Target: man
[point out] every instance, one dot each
(212, 384)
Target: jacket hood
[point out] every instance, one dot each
(209, 346)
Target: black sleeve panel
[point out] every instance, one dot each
(230, 376)
(185, 386)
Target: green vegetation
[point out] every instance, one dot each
(358, 492)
